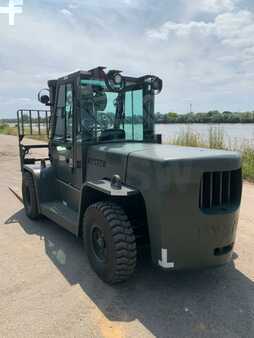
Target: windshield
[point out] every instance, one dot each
(111, 116)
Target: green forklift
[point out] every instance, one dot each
(108, 179)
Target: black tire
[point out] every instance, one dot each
(115, 260)
(29, 196)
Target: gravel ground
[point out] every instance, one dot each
(47, 288)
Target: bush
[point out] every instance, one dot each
(188, 138)
(7, 130)
(248, 163)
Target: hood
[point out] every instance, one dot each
(185, 157)
(165, 152)
(105, 160)
(158, 152)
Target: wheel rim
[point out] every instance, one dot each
(98, 243)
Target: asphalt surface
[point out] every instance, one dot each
(47, 288)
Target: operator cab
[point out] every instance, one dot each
(103, 107)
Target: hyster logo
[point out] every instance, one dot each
(15, 7)
(96, 162)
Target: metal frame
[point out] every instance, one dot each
(24, 131)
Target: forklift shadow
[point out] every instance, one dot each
(210, 303)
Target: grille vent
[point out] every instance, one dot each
(220, 190)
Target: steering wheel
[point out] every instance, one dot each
(106, 119)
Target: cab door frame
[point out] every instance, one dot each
(62, 147)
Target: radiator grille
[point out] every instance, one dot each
(220, 190)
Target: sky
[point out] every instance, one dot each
(202, 49)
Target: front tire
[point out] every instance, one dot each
(29, 196)
(110, 242)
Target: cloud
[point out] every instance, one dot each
(230, 36)
(234, 30)
(216, 56)
(41, 47)
(197, 8)
(207, 58)
(112, 4)
(66, 12)
(217, 5)
(181, 30)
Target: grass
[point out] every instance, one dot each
(248, 163)
(8, 130)
(188, 138)
(216, 140)
(191, 139)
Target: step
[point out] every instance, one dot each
(61, 214)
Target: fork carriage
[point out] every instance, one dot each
(32, 123)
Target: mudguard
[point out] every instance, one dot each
(106, 187)
(43, 178)
(102, 187)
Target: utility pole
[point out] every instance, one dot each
(189, 106)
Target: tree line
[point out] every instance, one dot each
(213, 116)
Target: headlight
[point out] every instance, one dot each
(117, 79)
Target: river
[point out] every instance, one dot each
(234, 134)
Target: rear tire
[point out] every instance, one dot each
(110, 242)
(29, 196)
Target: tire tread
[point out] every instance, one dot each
(123, 240)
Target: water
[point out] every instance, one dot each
(234, 134)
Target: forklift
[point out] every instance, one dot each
(108, 179)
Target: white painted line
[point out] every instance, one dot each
(164, 260)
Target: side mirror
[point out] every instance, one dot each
(154, 83)
(43, 98)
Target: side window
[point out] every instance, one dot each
(134, 115)
(64, 114)
(87, 117)
(60, 114)
(69, 111)
(138, 115)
